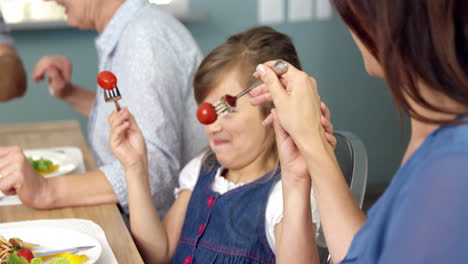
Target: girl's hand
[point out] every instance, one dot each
(325, 119)
(126, 140)
(293, 165)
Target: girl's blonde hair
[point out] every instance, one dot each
(242, 53)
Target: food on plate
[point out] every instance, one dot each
(43, 166)
(25, 253)
(54, 261)
(71, 258)
(7, 247)
(16, 251)
(15, 259)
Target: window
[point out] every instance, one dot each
(40, 14)
(22, 11)
(176, 7)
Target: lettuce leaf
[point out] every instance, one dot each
(59, 261)
(14, 259)
(37, 261)
(40, 164)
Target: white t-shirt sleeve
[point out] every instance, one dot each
(189, 175)
(274, 213)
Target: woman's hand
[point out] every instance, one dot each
(296, 99)
(325, 119)
(126, 140)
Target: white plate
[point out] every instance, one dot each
(52, 238)
(66, 164)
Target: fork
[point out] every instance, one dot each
(108, 82)
(227, 103)
(113, 96)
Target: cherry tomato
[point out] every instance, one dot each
(206, 114)
(231, 100)
(26, 254)
(107, 80)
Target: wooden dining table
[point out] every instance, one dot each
(54, 134)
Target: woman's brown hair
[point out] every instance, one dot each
(243, 52)
(415, 42)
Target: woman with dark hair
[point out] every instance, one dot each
(420, 48)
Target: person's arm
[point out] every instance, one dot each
(17, 176)
(156, 241)
(335, 201)
(299, 113)
(80, 99)
(295, 234)
(58, 70)
(89, 188)
(13, 75)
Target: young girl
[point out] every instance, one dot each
(234, 204)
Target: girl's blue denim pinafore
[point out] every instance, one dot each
(228, 228)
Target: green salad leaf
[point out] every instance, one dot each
(14, 259)
(37, 261)
(59, 261)
(40, 164)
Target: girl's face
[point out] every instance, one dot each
(239, 138)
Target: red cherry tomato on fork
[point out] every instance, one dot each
(26, 254)
(206, 114)
(107, 80)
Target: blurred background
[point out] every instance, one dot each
(359, 103)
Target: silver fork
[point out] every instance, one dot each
(113, 96)
(108, 82)
(227, 103)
